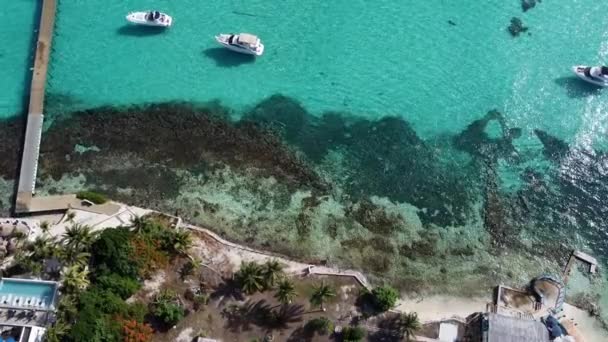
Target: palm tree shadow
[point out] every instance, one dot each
(228, 289)
(140, 31)
(226, 58)
(285, 316)
(241, 317)
(577, 88)
(260, 313)
(388, 331)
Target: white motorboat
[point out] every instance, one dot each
(597, 75)
(150, 18)
(244, 43)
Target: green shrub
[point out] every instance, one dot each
(102, 301)
(384, 298)
(94, 197)
(321, 325)
(166, 309)
(353, 334)
(124, 287)
(137, 311)
(112, 252)
(91, 326)
(169, 313)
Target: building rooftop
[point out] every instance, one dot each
(501, 328)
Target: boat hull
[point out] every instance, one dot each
(139, 18)
(223, 40)
(579, 71)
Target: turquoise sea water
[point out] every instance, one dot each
(371, 59)
(18, 20)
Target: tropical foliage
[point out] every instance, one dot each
(384, 298)
(253, 277)
(353, 334)
(286, 291)
(78, 237)
(250, 277)
(321, 293)
(272, 271)
(408, 325)
(167, 309)
(321, 325)
(94, 307)
(134, 331)
(75, 279)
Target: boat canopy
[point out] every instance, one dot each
(246, 38)
(153, 15)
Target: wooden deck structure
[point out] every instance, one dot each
(26, 187)
(585, 258)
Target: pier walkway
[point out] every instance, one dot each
(25, 202)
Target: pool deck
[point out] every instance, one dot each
(25, 200)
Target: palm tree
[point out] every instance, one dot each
(43, 247)
(75, 279)
(138, 224)
(320, 294)
(250, 277)
(273, 271)
(182, 241)
(408, 325)
(286, 292)
(44, 226)
(68, 309)
(76, 257)
(56, 332)
(78, 237)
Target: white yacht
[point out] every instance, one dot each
(150, 18)
(597, 75)
(244, 43)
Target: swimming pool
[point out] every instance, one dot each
(27, 293)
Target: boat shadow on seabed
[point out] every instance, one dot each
(577, 88)
(226, 58)
(140, 31)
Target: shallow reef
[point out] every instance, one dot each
(529, 4)
(335, 188)
(516, 27)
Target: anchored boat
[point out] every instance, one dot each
(597, 75)
(243, 43)
(150, 18)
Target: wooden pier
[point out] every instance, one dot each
(587, 259)
(26, 187)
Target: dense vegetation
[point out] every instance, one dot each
(99, 272)
(102, 271)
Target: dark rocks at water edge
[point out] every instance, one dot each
(516, 27)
